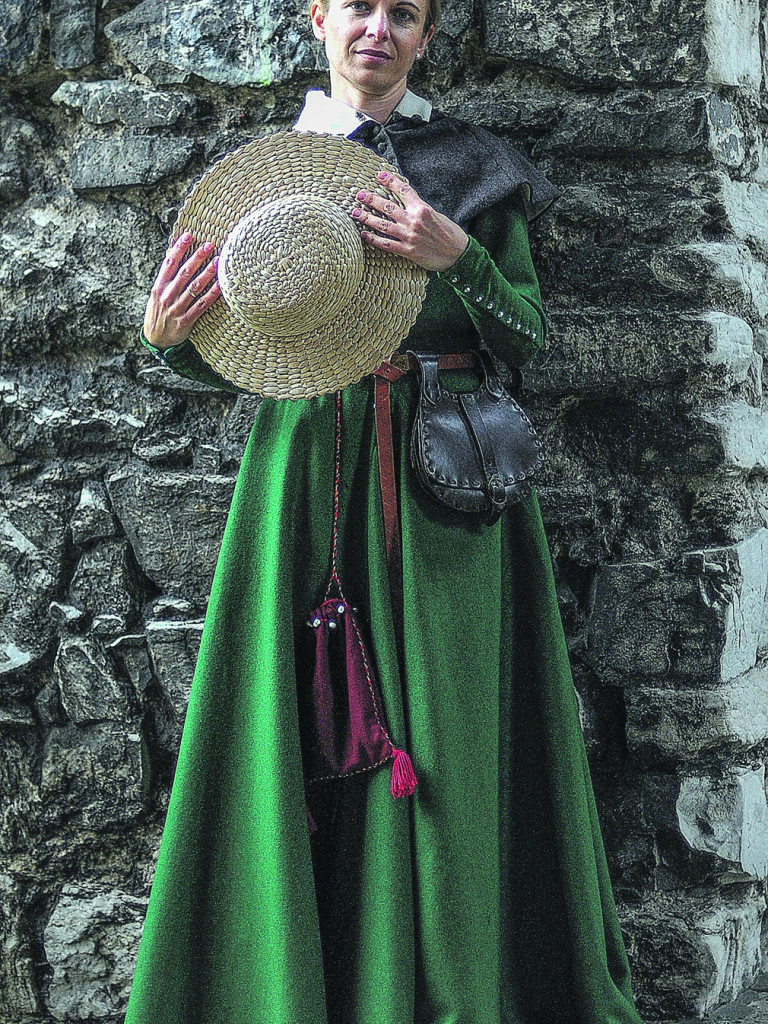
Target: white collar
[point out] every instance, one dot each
(321, 113)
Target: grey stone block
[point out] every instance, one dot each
(131, 652)
(92, 519)
(19, 152)
(725, 276)
(665, 123)
(587, 351)
(29, 577)
(446, 49)
(746, 210)
(624, 41)
(96, 775)
(700, 619)
(683, 724)
(727, 816)
(174, 522)
(66, 616)
(90, 942)
(73, 32)
(173, 648)
(163, 448)
(42, 424)
(128, 160)
(19, 990)
(70, 264)
(22, 24)
(694, 950)
(714, 273)
(738, 434)
(90, 689)
(124, 102)
(241, 44)
(102, 584)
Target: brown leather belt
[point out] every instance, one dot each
(389, 371)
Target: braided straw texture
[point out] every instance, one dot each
(307, 307)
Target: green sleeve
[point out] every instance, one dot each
(497, 282)
(184, 359)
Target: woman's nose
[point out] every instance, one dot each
(378, 26)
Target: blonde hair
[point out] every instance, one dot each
(433, 12)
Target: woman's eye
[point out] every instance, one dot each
(404, 14)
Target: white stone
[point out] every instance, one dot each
(732, 937)
(741, 608)
(742, 431)
(746, 208)
(731, 345)
(732, 43)
(727, 817)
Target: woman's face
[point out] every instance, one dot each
(371, 44)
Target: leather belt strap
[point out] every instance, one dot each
(389, 371)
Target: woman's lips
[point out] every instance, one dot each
(375, 55)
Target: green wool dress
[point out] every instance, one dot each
(485, 897)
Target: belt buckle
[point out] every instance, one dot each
(401, 360)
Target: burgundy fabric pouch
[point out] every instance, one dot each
(342, 723)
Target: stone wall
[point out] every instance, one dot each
(116, 476)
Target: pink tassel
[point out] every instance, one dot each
(403, 777)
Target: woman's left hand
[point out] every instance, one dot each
(416, 231)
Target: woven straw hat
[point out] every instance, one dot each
(306, 306)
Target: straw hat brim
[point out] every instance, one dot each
(375, 316)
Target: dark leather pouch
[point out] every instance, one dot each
(475, 451)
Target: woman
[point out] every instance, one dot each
(484, 898)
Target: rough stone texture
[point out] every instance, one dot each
(18, 143)
(623, 41)
(727, 817)
(19, 997)
(585, 358)
(741, 435)
(32, 535)
(174, 523)
(660, 123)
(59, 277)
(21, 36)
(247, 44)
(701, 619)
(116, 475)
(85, 941)
(109, 102)
(89, 688)
(695, 950)
(73, 32)
(173, 648)
(129, 160)
(101, 584)
(94, 774)
(92, 519)
(681, 725)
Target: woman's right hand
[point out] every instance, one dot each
(179, 294)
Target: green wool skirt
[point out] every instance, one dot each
(484, 898)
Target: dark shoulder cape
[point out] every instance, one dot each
(456, 167)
